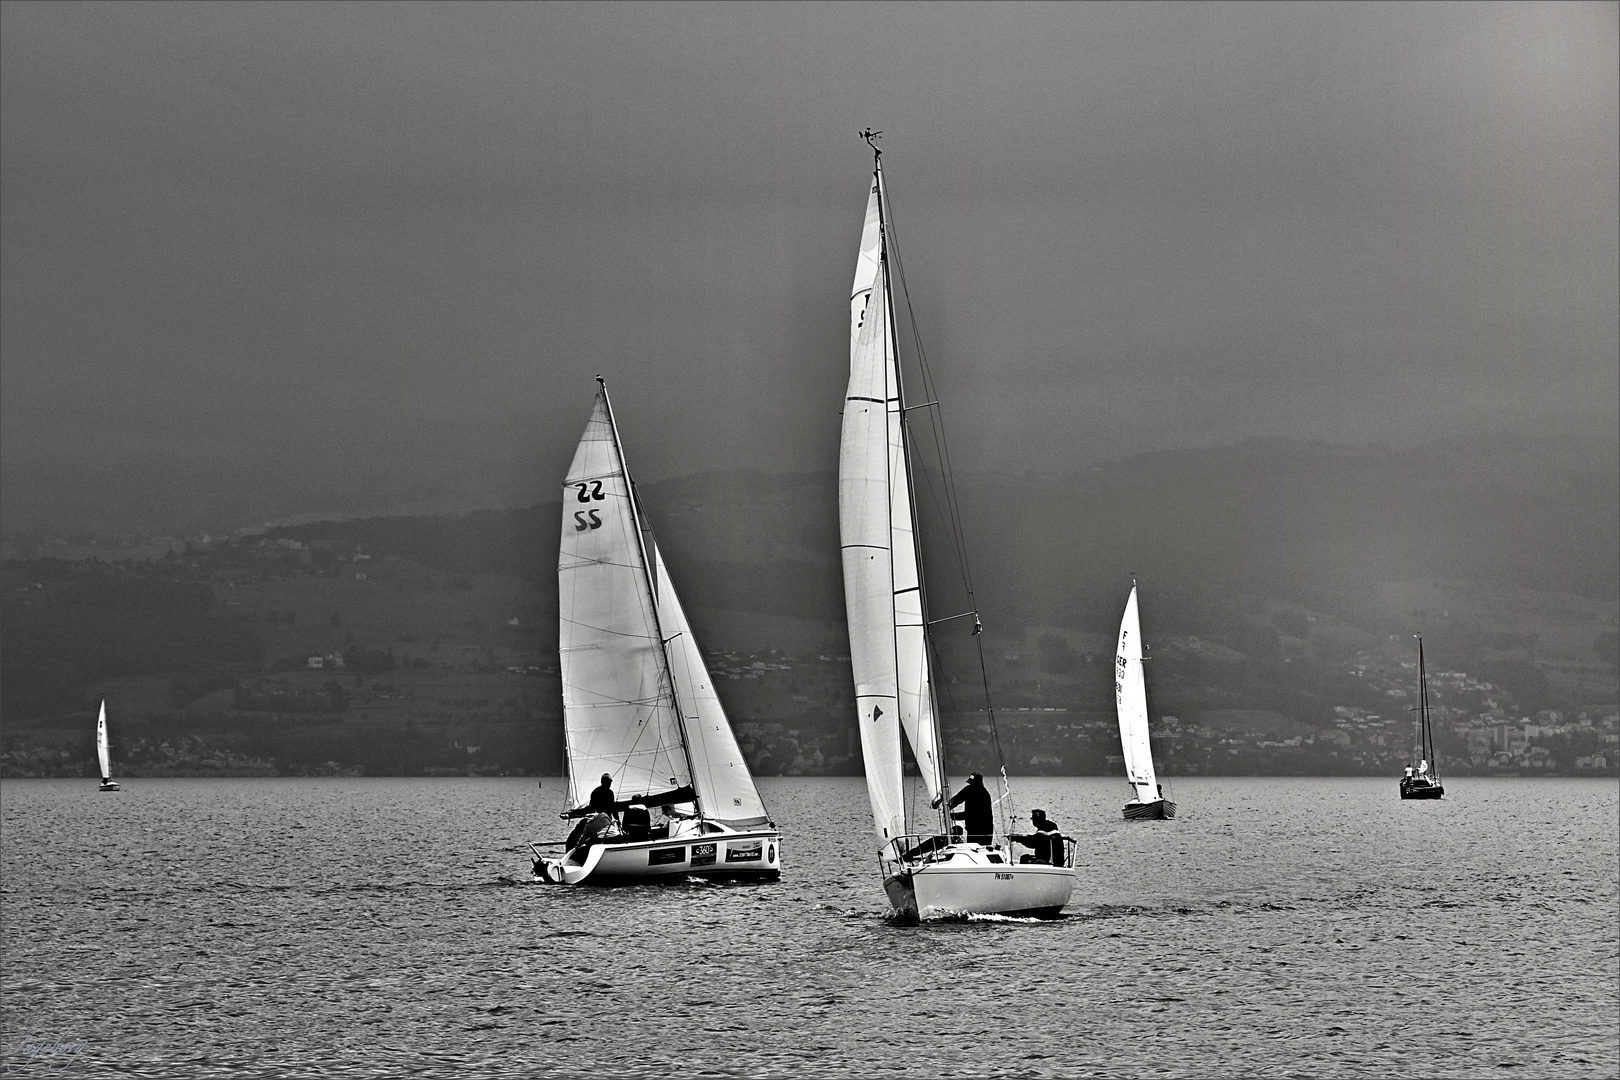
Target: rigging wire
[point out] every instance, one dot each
(951, 503)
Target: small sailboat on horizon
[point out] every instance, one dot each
(1424, 781)
(1147, 802)
(104, 750)
(639, 708)
(934, 870)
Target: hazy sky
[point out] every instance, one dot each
(357, 248)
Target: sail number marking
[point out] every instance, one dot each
(589, 491)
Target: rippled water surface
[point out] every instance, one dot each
(387, 927)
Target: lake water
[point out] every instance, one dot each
(359, 927)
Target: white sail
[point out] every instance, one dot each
(865, 536)
(725, 788)
(103, 749)
(1130, 697)
(619, 711)
(882, 582)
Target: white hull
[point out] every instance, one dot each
(967, 879)
(109, 785)
(755, 854)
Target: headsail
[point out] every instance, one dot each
(725, 788)
(1130, 698)
(619, 711)
(103, 749)
(882, 579)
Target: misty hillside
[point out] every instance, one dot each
(1211, 533)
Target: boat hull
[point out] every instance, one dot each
(1421, 791)
(749, 855)
(964, 880)
(1158, 810)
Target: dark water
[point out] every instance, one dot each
(386, 927)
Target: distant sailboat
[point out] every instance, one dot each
(104, 750)
(927, 872)
(1147, 800)
(639, 706)
(1424, 781)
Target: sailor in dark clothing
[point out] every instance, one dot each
(601, 802)
(1047, 840)
(602, 798)
(978, 811)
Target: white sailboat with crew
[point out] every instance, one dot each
(1147, 801)
(927, 870)
(104, 750)
(639, 708)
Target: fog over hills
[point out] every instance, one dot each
(1209, 532)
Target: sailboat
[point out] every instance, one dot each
(1147, 802)
(1424, 781)
(926, 871)
(639, 706)
(104, 750)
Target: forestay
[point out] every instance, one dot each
(618, 700)
(1130, 695)
(725, 788)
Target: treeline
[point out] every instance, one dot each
(70, 624)
(518, 543)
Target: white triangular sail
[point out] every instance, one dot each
(103, 748)
(882, 582)
(1130, 697)
(725, 788)
(619, 712)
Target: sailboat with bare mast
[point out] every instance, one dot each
(926, 871)
(1424, 781)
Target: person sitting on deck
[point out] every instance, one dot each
(978, 810)
(1047, 840)
(1423, 769)
(675, 822)
(637, 824)
(593, 829)
(934, 844)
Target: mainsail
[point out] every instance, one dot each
(725, 788)
(1130, 697)
(103, 750)
(619, 711)
(882, 576)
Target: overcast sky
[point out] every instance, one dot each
(385, 241)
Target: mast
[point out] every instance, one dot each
(1426, 733)
(652, 589)
(892, 362)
